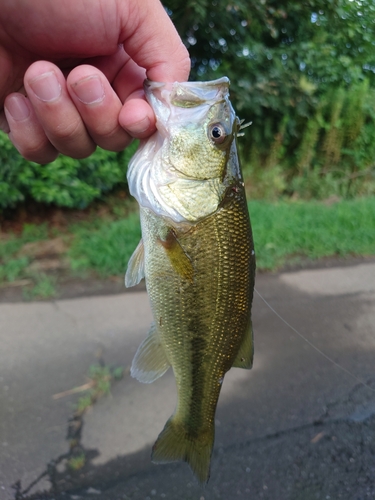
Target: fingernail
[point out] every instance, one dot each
(139, 127)
(46, 87)
(17, 107)
(89, 90)
(4, 126)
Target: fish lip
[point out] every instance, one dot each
(150, 86)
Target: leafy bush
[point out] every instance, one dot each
(332, 154)
(65, 182)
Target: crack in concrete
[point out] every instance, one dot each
(60, 309)
(360, 400)
(76, 449)
(358, 396)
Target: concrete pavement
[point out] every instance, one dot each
(294, 427)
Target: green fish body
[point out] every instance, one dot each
(197, 256)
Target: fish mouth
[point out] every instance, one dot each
(168, 99)
(186, 94)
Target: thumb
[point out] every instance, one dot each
(152, 41)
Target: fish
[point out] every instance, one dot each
(197, 257)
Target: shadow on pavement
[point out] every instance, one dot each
(294, 428)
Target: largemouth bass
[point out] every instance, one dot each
(197, 257)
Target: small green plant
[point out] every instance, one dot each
(12, 269)
(100, 378)
(44, 287)
(84, 403)
(13, 266)
(76, 463)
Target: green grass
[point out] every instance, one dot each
(106, 249)
(11, 245)
(284, 231)
(14, 267)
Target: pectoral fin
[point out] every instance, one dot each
(244, 358)
(136, 266)
(179, 259)
(150, 361)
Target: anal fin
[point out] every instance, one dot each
(244, 358)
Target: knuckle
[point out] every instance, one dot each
(111, 139)
(81, 154)
(38, 153)
(67, 132)
(72, 140)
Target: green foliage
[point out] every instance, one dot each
(337, 151)
(277, 54)
(264, 183)
(65, 182)
(333, 154)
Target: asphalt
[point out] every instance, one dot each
(295, 427)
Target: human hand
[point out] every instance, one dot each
(72, 72)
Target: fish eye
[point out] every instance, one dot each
(217, 133)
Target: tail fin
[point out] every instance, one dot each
(175, 443)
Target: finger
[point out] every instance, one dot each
(25, 131)
(99, 107)
(127, 78)
(46, 88)
(152, 41)
(136, 116)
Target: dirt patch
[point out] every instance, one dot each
(13, 220)
(31, 212)
(69, 288)
(44, 249)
